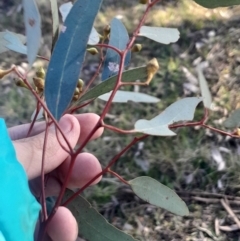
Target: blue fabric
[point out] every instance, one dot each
(19, 209)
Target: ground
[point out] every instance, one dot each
(200, 165)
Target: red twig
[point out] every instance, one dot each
(44, 208)
(43, 105)
(134, 141)
(118, 176)
(108, 104)
(110, 47)
(34, 119)
(121, 131)
(73, 109)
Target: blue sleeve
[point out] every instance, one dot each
(19, 209)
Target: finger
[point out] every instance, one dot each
(85, 168)
(29, 150)
(21, 131)
(87, 122)
(63, 226)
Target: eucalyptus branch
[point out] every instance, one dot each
(106, 169)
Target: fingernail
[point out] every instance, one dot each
(65, 124)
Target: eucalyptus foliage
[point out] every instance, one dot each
(62, 91)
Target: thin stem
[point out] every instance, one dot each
(44, 58)
(220, 131)
(94, 76)
(44, 208)
(121, 131)
(114, 159)
(34, 119)
(142, 20)
(60, 143)
(118, 176)
(59, 199)
(43, 105)
(73, 109)
(110, 47)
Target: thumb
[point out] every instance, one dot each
(29, 150)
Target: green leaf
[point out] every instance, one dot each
(207, 98)
(19, 209)
(182, 110)
(14, 42)
(217, 3)
(68, 56)
(233, 121)
(160, 35)
(118, 38)
(108, 85)
(65, 9)
(55, 22)
(92, 225)
(125, 96)
(32, 22)
(157, 194)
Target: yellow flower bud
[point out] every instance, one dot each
(80, 85)
(76, 92)
(4, 72)
(106, 31)
(75, 97)
(152, 68)
(92, 51)
(136, 48)
(40, 73)
(39, 83)
(20, 83)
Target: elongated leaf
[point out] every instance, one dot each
(207, 98)
(182, 110)
(217, 3)
(125, 96)
(108, 85)
(119, 39)
(233, 121)
(92, 225)
(157, 194)
(18, 207)
(12, 41)
(160, 35)
(68, 55)
(32, 22)
(65, 9)
(55, 22)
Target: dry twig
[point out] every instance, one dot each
(230, 212)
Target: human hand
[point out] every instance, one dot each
(63, 226)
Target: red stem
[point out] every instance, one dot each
(115, 158)
(34, 119)
(110, 47)
(118, 176)
(108, 104)
(121, 131)
(43, 105)
(44, 208)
